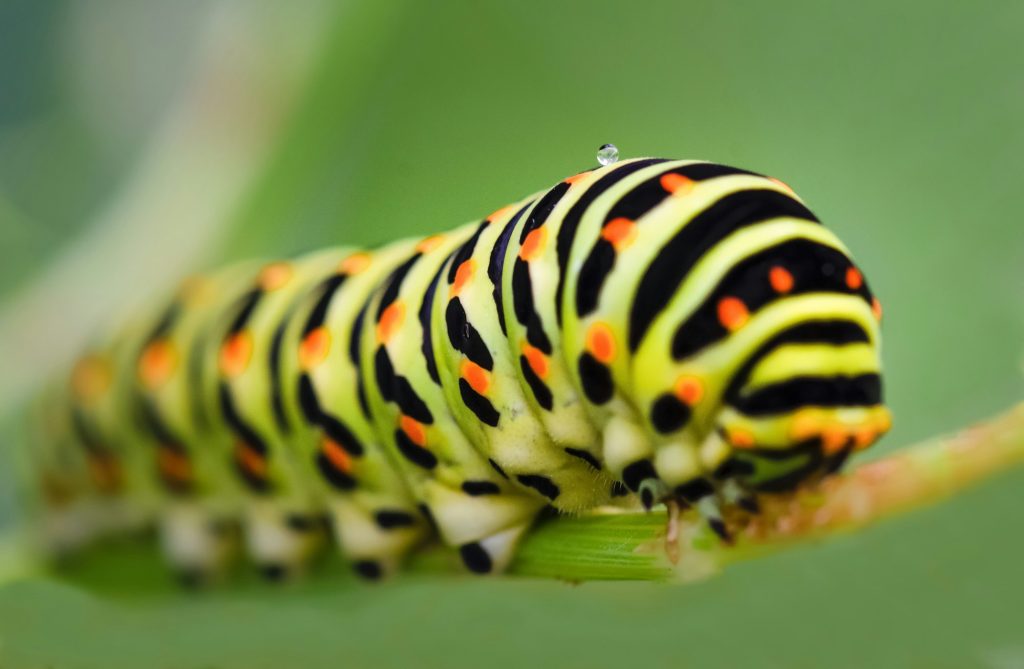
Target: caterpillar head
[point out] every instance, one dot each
(803, 402)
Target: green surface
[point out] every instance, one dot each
(899, 123)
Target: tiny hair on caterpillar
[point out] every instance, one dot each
(648, 334)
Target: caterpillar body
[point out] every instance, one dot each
(650, 331)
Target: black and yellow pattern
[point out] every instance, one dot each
(661, 331)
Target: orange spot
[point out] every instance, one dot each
(689, 389)
(883, 422)
(428, 244)
(157, 362)
(235, 354)
(533, 244)
(275, 276)
(338, 456)
(501, 213)
(414, 430)
(741, 438)
(601, 342)
(314, 348)
(478, 378)
(174, 465)
(876, 309)
(463, 274)
(854, 280)
(732, 313)
(676, 184)
(619, 232)
(91, 377)
(105, 472)
(536, 359)
(390, 321)
(576, 177)
(253, 462)
(864, 437)
(355, 263)
(781, 279)
(805, 426)
(833, 439)
(782, 184)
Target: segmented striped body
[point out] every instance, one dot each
(678, 330)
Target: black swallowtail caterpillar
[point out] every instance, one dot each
(649, 331)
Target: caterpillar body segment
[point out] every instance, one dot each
(675, 332)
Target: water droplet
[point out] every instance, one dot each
(607, 154)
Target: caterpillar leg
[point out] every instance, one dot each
(375, 540)
(199, 544)
(282, 542)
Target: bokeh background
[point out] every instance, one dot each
(141, 139)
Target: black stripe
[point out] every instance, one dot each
(478, 488)
(542, 211)
(388, 519)
(567, 230)
(800, 391)
(541, 484)
(237, 425)
(595, 379)
(464, 337)
(247, 306)
(337, 478)
(815, 267)
(327, 290)
(633, 206)
(394, 284)
(678, 256)
(495, 268)
(339, 433)
(276, 394)
(585, 456)
(834, 332)
(478, 404)
(540, 389)
(464, 252)
(166, 322)
(414, 453)
(427, 325)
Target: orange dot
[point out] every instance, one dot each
(463, 274)
(105, 472)
(274, 276)
(864, 437)
(536, 359)
(501, 213)
(804, 426)
(781, 279)
(413, 429)
(876, 308)
(174, 465)
(314, 348)
(235, 354)
(428, 244)
(337, 455)
(157, 363)
(478, 378)
(576, 177)
(781, 184)
(252, 461)
(676, 184)
(601, 342)
(833, 439)
(732, 313)
(533, 244)
(390, 321)
(91, 377)
(741, 438)
(689, 389)
(854, 280)
(355, 263)
(619, 232)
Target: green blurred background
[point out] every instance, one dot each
(143, 139)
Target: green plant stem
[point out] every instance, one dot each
(613, 544)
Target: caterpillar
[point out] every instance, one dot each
(645, 332)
